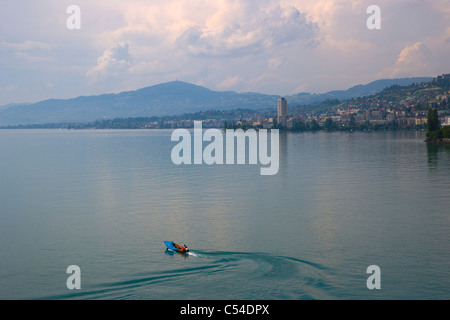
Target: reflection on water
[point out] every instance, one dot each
(106, 201)
(433, 152)
(283, 152)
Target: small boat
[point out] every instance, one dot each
(176, 247)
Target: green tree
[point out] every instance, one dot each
(275, 124)
(432, 120)
(299, 126)
(434, 132)
(352, 122)
(314, 125)
(446, 132)
(329, 124)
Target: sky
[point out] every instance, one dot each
(267, 46)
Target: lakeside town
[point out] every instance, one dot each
(396, 107)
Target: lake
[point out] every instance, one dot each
(105, 200)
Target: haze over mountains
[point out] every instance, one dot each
(170, 98)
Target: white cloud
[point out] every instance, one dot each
(269, 46)
(275, 62)
(235, 33)
(113, 63)
(230, 83)
(413, 60)
(28, 50)
(10, 87)
(27, 45)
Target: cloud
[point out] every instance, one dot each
(114, 62)
(269, 46)
(10, 87)
(27, 45)
(274, 63)
(248, 31)
(206, 28)
(28, 50)
(230, 83)
(414, 60)
(205, 42)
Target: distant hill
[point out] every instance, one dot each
(166, 99)
(420, 96)
(6, 106)
(163, 99)
(354, 92)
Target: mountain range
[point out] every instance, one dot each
(172, 98)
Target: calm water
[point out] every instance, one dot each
(106, 201)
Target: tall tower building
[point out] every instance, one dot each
(282, 111)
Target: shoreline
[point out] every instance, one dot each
(444, 141)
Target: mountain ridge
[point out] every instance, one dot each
(170, 98)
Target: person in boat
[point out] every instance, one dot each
(181, 248)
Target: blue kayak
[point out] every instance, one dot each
(176, 247)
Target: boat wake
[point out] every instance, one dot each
(219, 275)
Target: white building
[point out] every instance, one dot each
(447, 121)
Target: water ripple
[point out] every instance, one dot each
(260, 275)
